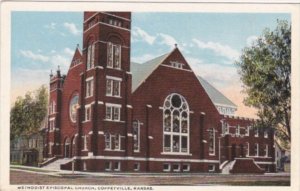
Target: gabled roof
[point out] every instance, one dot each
(215, 95)
(140, 73)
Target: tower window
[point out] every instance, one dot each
(90, 56)
(52, 107)
(87, 112)
(89, 87)
(256, 133)
(113, 142)
(113, 86)
(113, 112)
(52, 124)
(113, 55)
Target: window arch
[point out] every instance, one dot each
(176, 124)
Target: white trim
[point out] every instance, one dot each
(129, 134)
(89, 78)
(113, 104)
(147, 159)
(100, 67)
(176, 68)
(223, 164)
(91, 132)
(149, 106)
(100, 102)
(105, 13)
(110, 120)
(129, 106)
(52, 119)
(150, 137)
(100, 133)
(114, 78)
(176, 153)
(264, 162)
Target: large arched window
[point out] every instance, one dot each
(176, 124)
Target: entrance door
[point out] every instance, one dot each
(233, 151)
(67, 148)
(242, 150)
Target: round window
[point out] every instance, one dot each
(73, 107)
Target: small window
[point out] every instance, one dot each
(247, 129)
(113, 56)
(107, 141)
(113, 112)
(176, 167)
(108, 166)
(113, 86)
(266, 134)
(186, 167)
(87, 112)
(89, 87)
(136, 136)
(256, 132)
(166, 167)
(256, 149)
(117, 166)
(136, 167)
(211, 168)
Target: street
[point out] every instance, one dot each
(19, 176)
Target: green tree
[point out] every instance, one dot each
(265, 70)
(28, 112)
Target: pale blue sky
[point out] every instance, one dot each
(210, 42)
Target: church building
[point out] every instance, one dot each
(110, 114)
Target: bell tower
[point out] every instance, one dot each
(106, 84)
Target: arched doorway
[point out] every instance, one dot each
(67, 148)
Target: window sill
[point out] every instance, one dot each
(86, 97)
(114, 68)
(84, 150)
(113, 96)
(174, 153)
(210, 154)
(86, 121)
(114, 150)
(113, 121)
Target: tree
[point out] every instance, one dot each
(265, 70)
(28, 112)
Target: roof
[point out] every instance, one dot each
(215, 95)
(140, 73)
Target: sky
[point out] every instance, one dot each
(210, 42)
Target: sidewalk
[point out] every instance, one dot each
(66, 173)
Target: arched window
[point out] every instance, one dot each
(176, 124)
(90, 56)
